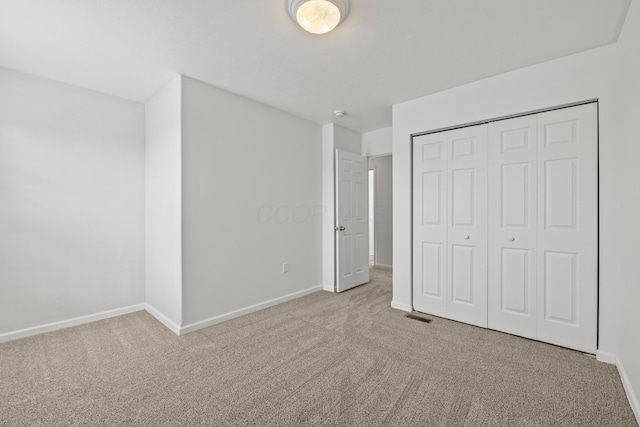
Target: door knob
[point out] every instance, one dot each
(466, 237)
(512, 239)
(341, 228)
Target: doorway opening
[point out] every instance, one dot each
(372, 228)
(380, 212)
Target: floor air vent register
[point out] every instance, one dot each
(414, 317)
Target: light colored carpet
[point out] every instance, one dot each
(324, 359)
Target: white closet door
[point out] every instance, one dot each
(467, 225)
(430, 223)
(567, 238)
(513, 226)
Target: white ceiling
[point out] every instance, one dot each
(387, 51)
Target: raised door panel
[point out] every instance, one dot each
(560, 290)
(512, 226)
(463, 196)
(429, 223)
(432, 190)
(560, 194)
(467, 225)
(567, 240)
(515, 282)
(515, 189)
(432, 257)
(463, 274)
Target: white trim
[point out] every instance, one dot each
(162, 319)
(54, 326)
(401, 306)
(631, 395)
(328, 288)
(383, 266)
(252, 308)
(605, 357)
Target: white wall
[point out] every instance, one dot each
(592, 74)
(252, 199)
(377, 142)
(328, 209)
(333, 137)
(71, 203)
(346, 139)
(163, 204)
(629, 209)
(383, 210)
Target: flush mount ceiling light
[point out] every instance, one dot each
(318, 16)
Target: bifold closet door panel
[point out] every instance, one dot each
(568, 227)
(467, 225)
(430, 223)
(512, 225)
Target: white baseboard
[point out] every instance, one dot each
(631, 395)
(237, 313)
(328, 288)
(23, 333)
(383, 266)
(605, 357)
(162, 319)
(401, 306)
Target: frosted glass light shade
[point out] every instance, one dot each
(318, 16)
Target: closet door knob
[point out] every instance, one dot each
(512, 239)
(466, 237)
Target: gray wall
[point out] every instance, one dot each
(383, 217)
(629, 207)
(163, 204)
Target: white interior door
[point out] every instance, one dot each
(568, 227)
(430, 223)
(467, 225)
(513, 226)
(352, 220)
